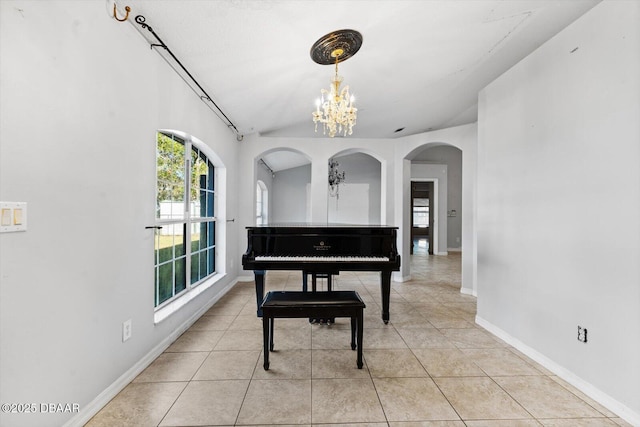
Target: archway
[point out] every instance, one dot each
(439, 164)
(361, 197)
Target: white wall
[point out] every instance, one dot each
(81, 97)
(290, 195)
(359, 196)
(559, 202)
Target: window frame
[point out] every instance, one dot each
(188, 221)
(262, 203)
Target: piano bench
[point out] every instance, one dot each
(294, 304)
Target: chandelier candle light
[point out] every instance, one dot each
(335, 109)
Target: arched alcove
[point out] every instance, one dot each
(286, 177)
(361, 197)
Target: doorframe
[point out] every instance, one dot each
(434, 208)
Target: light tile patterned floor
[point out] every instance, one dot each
(430, 366)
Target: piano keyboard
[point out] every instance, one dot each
(323, 258)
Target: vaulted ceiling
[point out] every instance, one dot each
(420, 67)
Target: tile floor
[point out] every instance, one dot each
(430, 366)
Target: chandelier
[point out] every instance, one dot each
(335, 109)
(335, 178)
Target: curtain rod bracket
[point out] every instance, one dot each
(115, 14)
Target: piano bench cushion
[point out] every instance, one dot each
(331, 299)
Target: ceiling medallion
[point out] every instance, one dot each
(335, 109)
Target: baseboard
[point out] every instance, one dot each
(468, 291)
(590, 390)
(246, 278)
(454, 249)
(93, 407)
(399, 278)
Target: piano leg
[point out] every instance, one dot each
(385, 282)
(360, 332)
(259, 277)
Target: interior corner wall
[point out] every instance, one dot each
(559, 202)
(81, 98)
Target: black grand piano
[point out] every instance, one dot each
(322, 249)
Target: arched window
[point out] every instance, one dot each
(185, 217)
(262, 203)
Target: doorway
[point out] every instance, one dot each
(422, 217)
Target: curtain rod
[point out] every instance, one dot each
(273, 174)
(141, 20)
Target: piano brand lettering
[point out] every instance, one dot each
(322, 246)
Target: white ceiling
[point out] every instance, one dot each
(420, 67)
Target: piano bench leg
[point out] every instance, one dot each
(360, 334)
(271, 329)
(266, 338)
(353, 333)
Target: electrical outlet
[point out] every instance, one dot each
(126, 330)
(582, 334)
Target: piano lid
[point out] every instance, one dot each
(318, 225)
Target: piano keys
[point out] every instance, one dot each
(324, 249)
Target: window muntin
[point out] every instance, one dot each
(184, 213)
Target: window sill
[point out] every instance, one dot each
(179, 302)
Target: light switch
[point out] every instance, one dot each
(13, 216)
(17, 216)
(6, 216)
